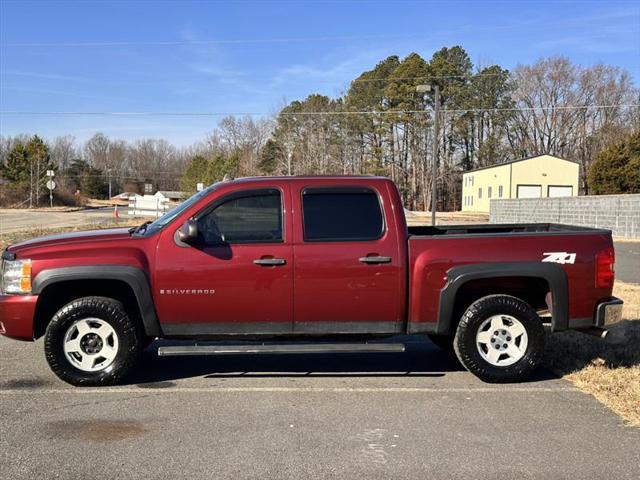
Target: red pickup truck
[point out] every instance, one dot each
(296, 261)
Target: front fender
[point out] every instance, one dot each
(132, 276)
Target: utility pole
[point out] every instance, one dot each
(109, 177)
(436, 127)
(30, 183)
(288, 144)
(434, 171)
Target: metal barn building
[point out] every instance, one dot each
(531, 177)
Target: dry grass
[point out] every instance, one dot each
(10, 238)
(609, 370)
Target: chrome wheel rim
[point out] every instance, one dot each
(502, 340)
(90, 345)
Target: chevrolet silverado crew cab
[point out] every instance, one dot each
(304, 264)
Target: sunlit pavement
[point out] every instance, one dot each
(411, 415)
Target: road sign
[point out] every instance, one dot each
(51, 184)
(51, 173)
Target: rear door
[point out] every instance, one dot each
(348, 265)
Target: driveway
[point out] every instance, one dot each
(628, 261)
(411, 415)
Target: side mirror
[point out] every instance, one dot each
(188, 232)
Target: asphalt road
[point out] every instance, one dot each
(628, 261)
(411, 415)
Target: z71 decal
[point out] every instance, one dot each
(559, 257)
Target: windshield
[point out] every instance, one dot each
(168, 217)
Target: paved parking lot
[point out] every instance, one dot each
(411, 415)
(628, 261)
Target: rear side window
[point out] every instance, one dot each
(249, 218)
(341, 214)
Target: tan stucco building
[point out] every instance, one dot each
(532, 177)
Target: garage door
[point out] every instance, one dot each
(529, 191)
(560, 191)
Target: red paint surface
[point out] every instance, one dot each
(16, 315)
(244, 292)
(431, 258)
(321, 282)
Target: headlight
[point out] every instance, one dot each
(16, 276)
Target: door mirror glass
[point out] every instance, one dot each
(188, 232)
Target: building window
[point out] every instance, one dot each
(480, 192)
(472, 180)
(500, 191)
(489, 192)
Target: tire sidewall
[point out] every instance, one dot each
(466, 345)
(107, 310)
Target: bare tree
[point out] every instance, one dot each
(63, 151)
(569, 111)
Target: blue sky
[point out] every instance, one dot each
(252, 56)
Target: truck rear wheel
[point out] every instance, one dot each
(500, 339)
(92, 341)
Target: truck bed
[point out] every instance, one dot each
(495, 229)
(435, 251)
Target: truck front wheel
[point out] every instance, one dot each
(500, 339)
(92, 341)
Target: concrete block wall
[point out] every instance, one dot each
(618, 213)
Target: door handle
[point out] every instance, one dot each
(375, 259)
(269, 262)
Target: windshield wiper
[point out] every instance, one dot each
(140, 228)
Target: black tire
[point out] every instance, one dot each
(130, 341)
(467, 350)
(443, 342)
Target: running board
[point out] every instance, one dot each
(275, 349)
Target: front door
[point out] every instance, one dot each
(237, 279)
(348, 271)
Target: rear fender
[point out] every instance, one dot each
(552, 273)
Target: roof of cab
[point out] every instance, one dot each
(337, 178)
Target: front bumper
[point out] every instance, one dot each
(16, 316)
(608, 312)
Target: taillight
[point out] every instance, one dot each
(605, 259)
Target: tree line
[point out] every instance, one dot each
(381, 125)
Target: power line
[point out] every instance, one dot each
(169, 43)
(317, 113)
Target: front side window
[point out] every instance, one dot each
(254, 217)
(341, 214)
